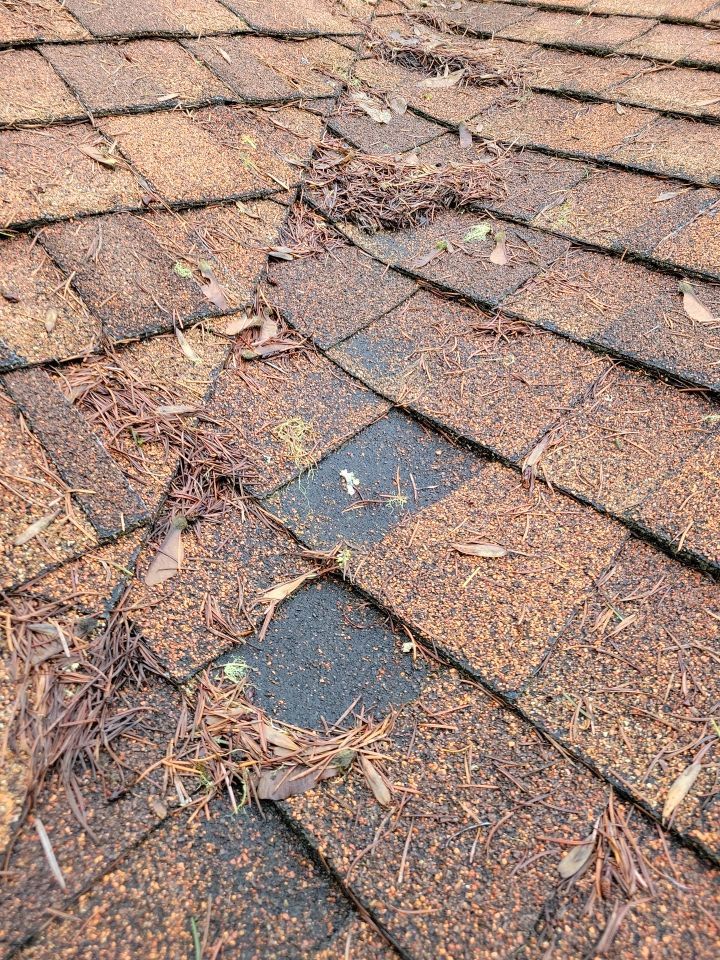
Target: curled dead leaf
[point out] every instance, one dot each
(376, 782)
(212, 290)
(375, 109)
(680, 788)
(491, 551)
(238, 324)
(398, 105)
(176, 409)
(169, 557)
(466, 139)
(277, 738)
(284, 782)
(692, 306)
(499, 255)
(31, 531)
(576, 858)
(51, 319)
(444, 81)
(185, 346)
(283, 590)
(98, 155)
(268, 331)
(281, 253)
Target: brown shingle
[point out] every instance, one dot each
(47, 175)
(40, 318)
(110, 503)
(113, 77)
(31, 91)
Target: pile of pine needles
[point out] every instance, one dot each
(226, 744)
(69, 673)
(422, 48)
(392, 192)
(621, 874)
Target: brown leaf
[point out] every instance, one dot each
(692, 306)
(51, 319)
(680, 788)
(281, 253)
(499, 255)
(398, 105)
(212, 289)
(372, 107)
(427, 258)
(376, 782)
(466, 139)
(98, 155)
(277, 738)
(171, 410)
(30, 532)
(283, 590)
(185, 346)
(158, 807)
(444, 81)
(576, 858)
(10, 295)
(168, 560)
(238, 324)
(268, 331)
(489, 550)
(287, 782)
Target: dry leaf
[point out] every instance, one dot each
(444, 81)
(51, 319)
(669, 195)
(158, 807)
(98, 155)
(533, 458)
(427, 258)
(576, 858)
(287, 782)
(398, 105)
(281, 253)
(277, 738)
(499, 255)
(224, 54)
(238, 324)
(185, 346)
(692, 306)
(488, 550)
(372, 107)
(376, 782)
(268, 331)
(466, 139)
(212, 289)
(168, 560)
(29, 533)
(49, 853)
(283, 590)
(170, 410)
(680, 788)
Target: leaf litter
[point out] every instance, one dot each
(453, 59)
(395, 191)
(224, 743)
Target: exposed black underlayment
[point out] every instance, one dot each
(402, 467)
(325, 648)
